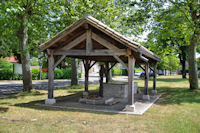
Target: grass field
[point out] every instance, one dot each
(178, 110)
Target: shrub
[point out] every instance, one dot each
(6, 74)
(124, 72)
(58, 74)
(67, 73)
(79, 75)
(44, 75)
(35, 73)
(116, 71)
(5, 64)
(17, 77)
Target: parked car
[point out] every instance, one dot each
(143, 74)
(137, 73)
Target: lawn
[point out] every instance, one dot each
(178, 110)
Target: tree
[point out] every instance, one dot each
(173, 63)
(186, 15)
(25, 21)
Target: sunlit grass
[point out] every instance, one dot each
(178, 110)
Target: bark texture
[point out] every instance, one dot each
(25, 55)
(193, 75)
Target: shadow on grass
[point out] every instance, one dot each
(3, 109)
(69, 98)
(23, 94)
(171, 80)
(178, 96)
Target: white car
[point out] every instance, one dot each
(137, 73)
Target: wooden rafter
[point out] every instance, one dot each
(141, 67)
(112, 66)
(120, 61)
(103, 42)
(92, 64)
(74, 42)
(59, 61)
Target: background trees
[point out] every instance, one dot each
(175, 27)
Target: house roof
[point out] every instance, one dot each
(69, 32)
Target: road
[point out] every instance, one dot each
(13, 87)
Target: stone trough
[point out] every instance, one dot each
(113, 93)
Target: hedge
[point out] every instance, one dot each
(118, 72)
(7, 74)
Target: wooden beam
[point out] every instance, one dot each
(151, 69)
(103, 42)
(59, 61)
(112, 66)
(120, 61)
(50, 74)
(141, 67)
(131, 66)
(93, 53)
(92, 65)
(88, 42)
(74, 42)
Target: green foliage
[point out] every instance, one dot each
(6, 74)
(118, 72)
(34, 62)
(58, 74)
(173, 63)
(79, 75)
(5, 64)
(45, 63)
(35, 73)
(17, 77)
(67, 73)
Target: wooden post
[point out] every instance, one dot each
(50, 99)
(154, 78)
(101, 72)
(146, 93)
(107, 72)
(86, 65)
(131, 66)
(88, 42)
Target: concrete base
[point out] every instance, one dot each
(146, 97)
(129, 108)
(50, 101)
(154, 91)
(85, 94)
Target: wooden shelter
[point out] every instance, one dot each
(92, 41)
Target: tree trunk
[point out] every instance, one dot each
(193, 75)
(25, 55)
(183, 69)
(182, 58)
(74, 79)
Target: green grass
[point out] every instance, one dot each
(178, 110)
